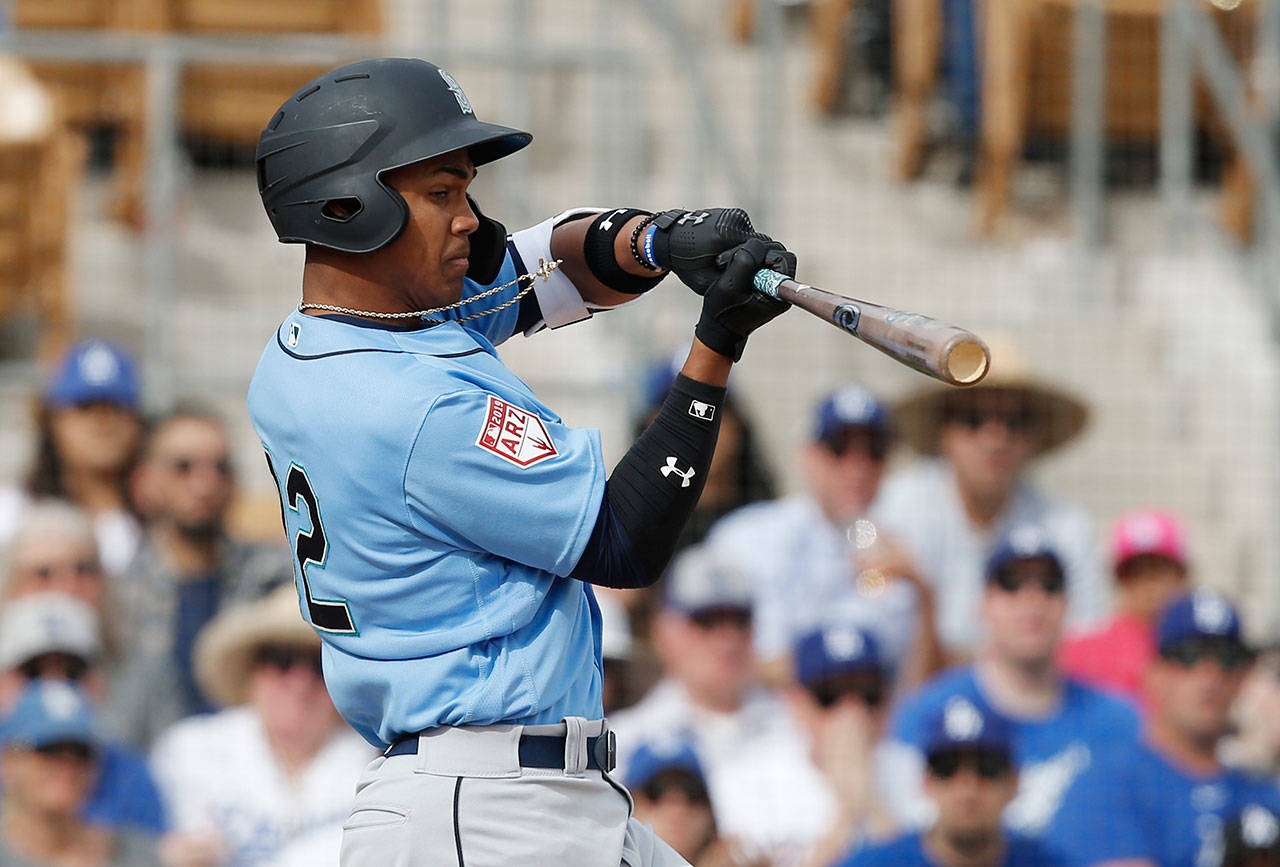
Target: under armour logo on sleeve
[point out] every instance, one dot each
(607, 224)
(685, 475)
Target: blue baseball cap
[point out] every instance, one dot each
(1024, 542)
(962, 725)
(95, 371)
(50, 712)
(1199, 615)
(834, 651)
(699, 581)
(653, 758)
(849, 406)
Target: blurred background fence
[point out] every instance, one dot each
(1093, 182)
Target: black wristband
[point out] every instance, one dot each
(657, 483)
(598, 251)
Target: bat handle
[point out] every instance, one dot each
(767, 281)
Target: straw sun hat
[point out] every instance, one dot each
(1059, 417)
(225, 650)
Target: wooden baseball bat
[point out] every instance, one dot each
(943, 351)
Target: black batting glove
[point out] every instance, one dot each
(731, 308)
(690, 244)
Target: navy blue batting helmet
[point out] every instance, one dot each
(332, 141)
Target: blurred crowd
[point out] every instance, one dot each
(921, 657)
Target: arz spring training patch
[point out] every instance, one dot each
(514, 435)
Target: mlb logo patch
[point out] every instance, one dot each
(704, 411)
(514, 435)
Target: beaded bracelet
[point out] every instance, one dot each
(648, 265)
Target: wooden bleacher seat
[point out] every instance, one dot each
(41, 165)
(1027, 80)
(101, 95)
(230, 103)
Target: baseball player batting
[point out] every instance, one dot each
(448, 526)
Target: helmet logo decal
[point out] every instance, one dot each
(452, 83)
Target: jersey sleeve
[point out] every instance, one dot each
(488, 475)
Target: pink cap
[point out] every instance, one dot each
(1148, 531)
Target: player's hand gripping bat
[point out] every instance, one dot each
(943, 351)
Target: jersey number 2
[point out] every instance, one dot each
(327, 615)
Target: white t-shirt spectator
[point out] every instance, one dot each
(804, 578)
(922, 507)
(765, 793)
(219, 777)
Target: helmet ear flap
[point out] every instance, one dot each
(488, 247)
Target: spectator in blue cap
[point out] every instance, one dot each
(1170, 795)
(971, 777)
(840, 700)
(814, 558)
(1060, 728)
(51, 755)
(89, 427)
(669, 788)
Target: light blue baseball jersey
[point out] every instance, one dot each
(435, 506)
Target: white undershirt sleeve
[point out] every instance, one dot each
(559, 300)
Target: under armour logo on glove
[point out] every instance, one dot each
(685, 475)
(693, 218)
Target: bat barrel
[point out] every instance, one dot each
(940, 350)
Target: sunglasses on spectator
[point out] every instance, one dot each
(82, 753)
(186, 466)
(1230, 655)
(868, 442)
(710, 618)
(285, 658)
(987, 764)
(867, 689)
(1018, 574)
(45, 571)
(677, 780)
(975, 418)
(64, 666)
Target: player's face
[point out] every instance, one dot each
(1195, 690)
(96, 437)
(845, 473)
(1024, 614)
(54, 782)
(187, 477)
(57, 562)
(429, 259)
(971, 791)
(988, 439)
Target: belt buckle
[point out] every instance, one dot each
(605, 751)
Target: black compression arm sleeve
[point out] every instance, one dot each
(653, 489)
